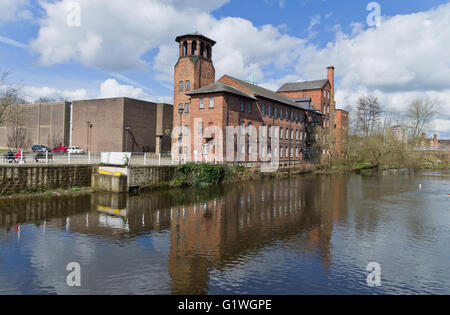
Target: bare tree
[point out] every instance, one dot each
(9, 95)
(17, 132)
(421, 112)
(367, 115)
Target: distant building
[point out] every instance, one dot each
(42, 124)
(122, 125)
(98, 125)
(432, 143)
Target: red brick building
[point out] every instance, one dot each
(200, 102)
(321, 93)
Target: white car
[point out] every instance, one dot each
(75, 150)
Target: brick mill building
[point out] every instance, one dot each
(201, 102)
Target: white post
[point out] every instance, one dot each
(145, 158)
(68, 157)
(159, 159)
(46, 157)
(89, 157)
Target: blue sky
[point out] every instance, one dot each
(127, 48)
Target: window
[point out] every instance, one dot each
(180, 107)
(242, 107)
(249, 107)
(281, 113)
(275, 112)
(186, 130)
(281, 133)
(270, 110)
(181, 86)
(328, 94)
(187, 85)
(281, 152)
(292, 116)
(200, 128)
(202, 103)
(296, 152)
(296, 117)
(301, 136)
(249, 129)
(186, 108)
(292, 134)
(287, 115)
(242, 128)
(211, 102)
(263, 109)
(296, 135)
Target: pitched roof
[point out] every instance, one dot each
(220, 87)
(303, 86)
(195, 34)
(265, 93)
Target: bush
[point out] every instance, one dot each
(192, 174)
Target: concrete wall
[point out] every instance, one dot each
(14, 179)
(106, 117)
(109, 118)
(45, 124)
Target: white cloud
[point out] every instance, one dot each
(11, 10)
(112, 88)
(32, 93)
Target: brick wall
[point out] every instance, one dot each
(14, 179)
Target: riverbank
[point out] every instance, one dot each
(74, 191)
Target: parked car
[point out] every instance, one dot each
(60, 149)
(40, 148)
(75, 150)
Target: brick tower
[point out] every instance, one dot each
(193, 70)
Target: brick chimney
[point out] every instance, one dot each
(331, 76)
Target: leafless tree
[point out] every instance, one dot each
(17, 132)
(367, 115)
(421, 112)
(9, 95)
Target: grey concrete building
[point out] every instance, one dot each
(122, 125)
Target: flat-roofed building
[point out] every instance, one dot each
(122, 125)
(36, 124)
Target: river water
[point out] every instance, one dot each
(313, 234)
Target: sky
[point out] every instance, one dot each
(82, 49)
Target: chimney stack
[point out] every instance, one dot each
(331, 76)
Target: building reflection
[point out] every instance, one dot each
(209, 228)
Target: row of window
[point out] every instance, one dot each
(277, 113)
(186, 86)
(203, 52)
(284, 133)
(284, 151)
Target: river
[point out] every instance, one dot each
(310, 234)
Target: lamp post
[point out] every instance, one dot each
(180, 137)
(89, 126)
(127, 131)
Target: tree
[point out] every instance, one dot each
(9, 95)
(17, 132)
(367, 114)
(421, 112)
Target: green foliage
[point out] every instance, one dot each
(75, 188)
(192, 174)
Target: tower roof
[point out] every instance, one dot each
(195, 34)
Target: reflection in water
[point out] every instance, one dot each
(309, 234)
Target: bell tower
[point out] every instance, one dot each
(193, 70)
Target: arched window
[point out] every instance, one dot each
(185, 46)
(202, 49)
(188, 85)
(194, 48)
(208, 51)
(181, 86)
